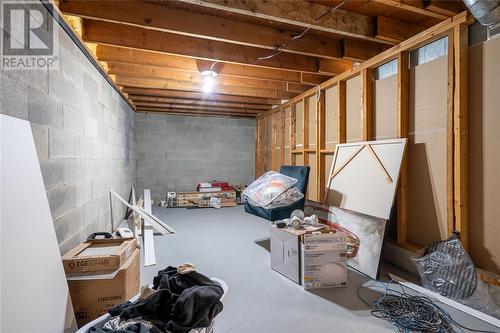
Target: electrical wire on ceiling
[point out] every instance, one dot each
(280, 48)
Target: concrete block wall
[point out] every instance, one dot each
(174, 153)
(84, 135)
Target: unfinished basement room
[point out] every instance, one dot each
(250, 166)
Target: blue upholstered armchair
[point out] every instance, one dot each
(301, 173)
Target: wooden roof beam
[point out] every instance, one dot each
(198, 96)
(152, 16)
(163, 42)
(299, 13)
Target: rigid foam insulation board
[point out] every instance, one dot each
(484, 157)
(313, 182)
(331, 118)
(312, 122)
(427, 192)
(299, 123)
(40, 301)
(353, 109)
(385, 111)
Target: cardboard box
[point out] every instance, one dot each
(324, 260)
(288, 253)
(93, 294)
(99, 255)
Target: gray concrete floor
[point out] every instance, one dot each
(221, 243)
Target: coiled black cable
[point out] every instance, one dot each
(413, 313)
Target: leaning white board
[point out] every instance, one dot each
(34, 292)
(364, 176)
(148, 239)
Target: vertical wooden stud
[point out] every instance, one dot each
(273, 141)
(320, 143)
(342, 110)
(460, 124)
(403, 124)
(258, 143)
(282, 131)
(366, 104)
(293, 132)
(450, 196)
(305, 130)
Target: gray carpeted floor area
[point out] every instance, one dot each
(221, 243)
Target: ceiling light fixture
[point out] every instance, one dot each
(208, 80)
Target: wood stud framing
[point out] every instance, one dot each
(454, 27)
(403, 128)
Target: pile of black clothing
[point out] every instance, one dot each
(179, 301)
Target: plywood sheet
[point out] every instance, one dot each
(484, 157)
(35, 295)
(331, 118)
(299, 123)
(365, 180)
(385, 112)
(313, 182)
(427, 193)
(312, 122)
(353, 109)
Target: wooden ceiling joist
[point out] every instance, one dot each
(141, 71)
(194, 107)
(357, 51)
(416, 7)
(396, 31)
(183, 22)
(191, 112)
(198, 96)
(129, 56)
(166, 100)
(298, 13)
(193, 86)
(163, 42)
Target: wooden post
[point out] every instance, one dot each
(367, 104)
(450, 176)
(305, 130)
(293, 132)
(342, 110)
(460, 124)
(282, 142)
(403, 122)
(258, 155)
(273, 141)
(320, 144)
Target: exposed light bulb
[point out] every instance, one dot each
(208, 81)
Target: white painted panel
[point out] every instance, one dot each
(361, 184)
(34, 292)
